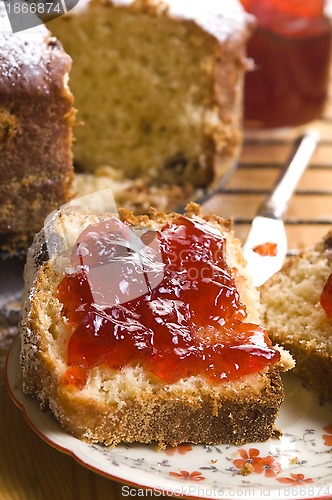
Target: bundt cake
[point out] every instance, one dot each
(170, 351)
(36, 117)
(158, 88)
(157, 85)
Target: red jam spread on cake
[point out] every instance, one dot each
(326, 297)
(185, 318)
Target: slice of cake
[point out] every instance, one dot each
(297, 310)
(36, 116)
(158, 86)
(158, 344)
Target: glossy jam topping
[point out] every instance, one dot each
(266, 249)
(177, 316)
(326, 297)
(291, 49)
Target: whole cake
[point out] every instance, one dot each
(36, 118)
(157, 85)
(158, 88)
(170, 351)
(297, 310)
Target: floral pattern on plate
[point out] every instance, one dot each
(297, 465)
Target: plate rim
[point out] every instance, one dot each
(10, 386)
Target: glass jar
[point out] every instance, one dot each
(291, 50)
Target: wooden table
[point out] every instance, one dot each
(31, 469)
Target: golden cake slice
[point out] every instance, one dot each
(158, 344)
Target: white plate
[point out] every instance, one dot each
(298, 465)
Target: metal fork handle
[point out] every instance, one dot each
(276, 204)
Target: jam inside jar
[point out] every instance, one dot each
(291, 50)
(190, 322)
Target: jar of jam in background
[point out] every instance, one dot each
(291, 50)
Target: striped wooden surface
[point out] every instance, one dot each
(264, 154)
(309, 215)
(32, 470)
